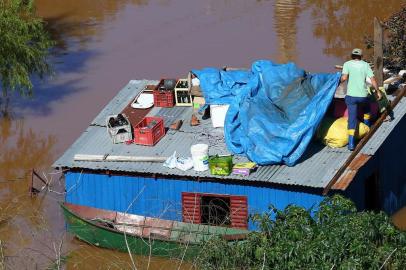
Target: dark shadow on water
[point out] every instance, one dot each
(68, 59)
(64, 32)
(58, 35)
(40, 104)
(54, 88)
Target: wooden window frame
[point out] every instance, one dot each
(191, 208)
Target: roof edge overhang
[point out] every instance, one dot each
(293, 188)
(350, 172)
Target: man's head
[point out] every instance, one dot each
(356, 54)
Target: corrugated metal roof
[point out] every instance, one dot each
(385, 129)
(315, 169)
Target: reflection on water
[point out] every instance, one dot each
(344, 24)
(24, 229)
(286, 15)
(79, 18)
(88, 258)
(22, 149)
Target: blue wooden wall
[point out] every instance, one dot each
(162, 197)
(390, 164)
(391, 161)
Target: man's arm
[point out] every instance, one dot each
(344, 77)
(344, 73)
(375, 91)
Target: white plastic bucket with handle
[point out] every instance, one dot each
(200, 156)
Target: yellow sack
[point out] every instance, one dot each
(334, 132)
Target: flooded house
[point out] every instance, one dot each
(374, 176)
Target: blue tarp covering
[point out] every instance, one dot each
(274, 110)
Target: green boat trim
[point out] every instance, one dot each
(142, 235)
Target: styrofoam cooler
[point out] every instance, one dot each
(218, 114)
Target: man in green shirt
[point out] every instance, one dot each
(356, 71)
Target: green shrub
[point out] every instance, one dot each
(24, 46)
(333, 236)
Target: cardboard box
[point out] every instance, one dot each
(244, 169)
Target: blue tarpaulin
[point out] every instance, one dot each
(274, 109)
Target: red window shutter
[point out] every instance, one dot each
(191, 207)
(239, 212)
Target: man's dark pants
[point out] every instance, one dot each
(352, 105)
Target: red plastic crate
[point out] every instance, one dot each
(148, 133)
(163, 98)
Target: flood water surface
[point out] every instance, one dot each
(103, 44)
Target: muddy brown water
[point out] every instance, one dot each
(103, 44)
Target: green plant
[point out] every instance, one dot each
(394, 44)
(395, 47)
(333, 236)
(24, 46)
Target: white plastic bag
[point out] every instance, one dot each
(171, 161)
(180, 163)
(184, 164)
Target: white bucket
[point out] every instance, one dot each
(200, 156)
(218, 114)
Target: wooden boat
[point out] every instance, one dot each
(142, 235)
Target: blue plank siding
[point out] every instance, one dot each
(389, 164)
(162, 197)
(392, 173)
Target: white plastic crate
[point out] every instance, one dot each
(119, 128)
(182, 93)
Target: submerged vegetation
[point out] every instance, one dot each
(24, 46)
(333, 236)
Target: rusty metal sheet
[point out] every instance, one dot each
(130, 229)
(157, 228)
(91, 213)
(130, 219)
(130, 223)
(136, 115)
(346, 178)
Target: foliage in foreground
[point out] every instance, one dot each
(24, 46)
(335, 236)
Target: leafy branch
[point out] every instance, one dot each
(24, 46)
(333, 235)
